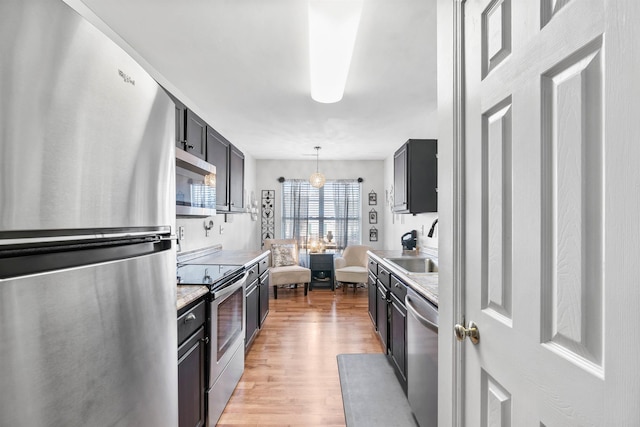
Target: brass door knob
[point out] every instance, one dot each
(471, 331)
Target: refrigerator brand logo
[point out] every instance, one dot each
(127, 78)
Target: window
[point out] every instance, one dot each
(309, 213)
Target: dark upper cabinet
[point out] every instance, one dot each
(218, 155)
(236, 180)
(190, 131)
(415, 177)
(195, 138)
(181, 116)
(229, 163)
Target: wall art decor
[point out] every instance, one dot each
(373, 234)
(373, 198)
(268, 215)
(373, 216)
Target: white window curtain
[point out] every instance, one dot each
(310, 213)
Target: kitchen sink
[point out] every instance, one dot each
(415, 264)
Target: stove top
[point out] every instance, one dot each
(211, 275)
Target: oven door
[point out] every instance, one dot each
(227, 326)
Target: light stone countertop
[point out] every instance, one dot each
(426, 284)
(186, 294)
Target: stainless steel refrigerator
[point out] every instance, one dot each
(87, 264)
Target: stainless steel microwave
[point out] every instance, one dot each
(195, 186)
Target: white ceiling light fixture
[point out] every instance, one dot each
(317, 179)
(333, 26)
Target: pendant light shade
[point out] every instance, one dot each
(317, 179)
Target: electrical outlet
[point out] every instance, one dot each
(221, 230)
(181, 233)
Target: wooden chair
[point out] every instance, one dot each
(351, 267)
(285, 268)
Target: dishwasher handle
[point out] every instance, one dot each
(430, 319)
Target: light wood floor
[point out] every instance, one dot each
(291, 373)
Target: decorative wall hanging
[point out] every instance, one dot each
(268, 214)
(373, 234)
(373, 198)
(373, 216)
(253, 207)
(390, 196)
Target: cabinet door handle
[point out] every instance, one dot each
(190, 317)
(205, 340)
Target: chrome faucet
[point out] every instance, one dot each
(433, 226)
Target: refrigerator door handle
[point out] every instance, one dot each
(60, 237)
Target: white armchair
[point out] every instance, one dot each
(351, 267)
(285, 269)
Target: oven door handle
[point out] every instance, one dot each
(228, 290)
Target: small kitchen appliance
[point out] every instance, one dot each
(409, 240)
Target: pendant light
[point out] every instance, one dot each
(317, 179)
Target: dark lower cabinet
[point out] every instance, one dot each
(398, 339)
(192, 362)
(264, 297)
(373, 293)
(253, 313)
(191, 380)
(257, 299)
(382, 314)
(389, 316)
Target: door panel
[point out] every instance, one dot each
(572, 206)
(535, 203)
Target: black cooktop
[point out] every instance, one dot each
(212, 275)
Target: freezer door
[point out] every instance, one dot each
(91, 346)
(87, 136)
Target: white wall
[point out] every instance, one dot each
(395, 225)
(372, 171)
(242, 233)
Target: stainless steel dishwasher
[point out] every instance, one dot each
(422, 358)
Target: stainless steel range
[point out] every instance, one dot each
(226, 327)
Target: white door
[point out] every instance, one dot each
(551, 246)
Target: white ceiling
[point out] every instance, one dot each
(243, 65)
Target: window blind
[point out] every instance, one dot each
(310, 213)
